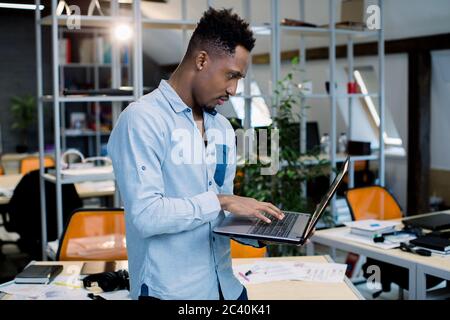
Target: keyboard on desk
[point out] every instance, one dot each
(278, 228)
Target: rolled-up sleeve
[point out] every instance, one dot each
(137, 149)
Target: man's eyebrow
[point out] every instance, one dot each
(237, 73)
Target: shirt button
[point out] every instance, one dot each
(143, 168)
(214, 239)
(210, 183)
(188, 110)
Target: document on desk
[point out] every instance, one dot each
(116, 295)
(345, 234)
(266, 271)
(4, 192)
(323, 272)
(61, 288)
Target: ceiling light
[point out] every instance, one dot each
(122, 32)
(20, 6)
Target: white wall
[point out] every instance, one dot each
(440, 110)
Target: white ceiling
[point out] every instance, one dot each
(402, 19)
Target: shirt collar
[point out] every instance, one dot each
(212, 112)
(175, 101)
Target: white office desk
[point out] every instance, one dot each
(89, 189)
(276, 290)
(418, 266)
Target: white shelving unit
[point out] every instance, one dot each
(60, 103)
(94, 71)
(333, 33)
(274, 30)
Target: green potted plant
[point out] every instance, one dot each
(23, 109)
(284, 188)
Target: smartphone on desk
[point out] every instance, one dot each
(93, 267)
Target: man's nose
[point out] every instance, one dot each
(231, 90)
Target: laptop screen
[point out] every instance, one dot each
(327, 197)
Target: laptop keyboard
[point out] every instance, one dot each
(278, 228)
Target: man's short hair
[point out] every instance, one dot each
(221, 31)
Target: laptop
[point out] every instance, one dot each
(295, 228)
(434, 222)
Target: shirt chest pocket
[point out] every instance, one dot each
(221, 164)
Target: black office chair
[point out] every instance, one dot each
(23, 212)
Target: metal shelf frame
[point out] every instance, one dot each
(332, 32)
(56, 23)
(274, 30)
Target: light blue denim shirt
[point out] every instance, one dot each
(169, 182)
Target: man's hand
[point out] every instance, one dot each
(249, 207)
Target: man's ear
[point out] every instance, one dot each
(201, 60)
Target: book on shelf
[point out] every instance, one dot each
(99, 50)
(107, 53)
(65, 51)
(348, 25)
(78, 120)
(86, 53)
(297, 23)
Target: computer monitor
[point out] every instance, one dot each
(312, 136)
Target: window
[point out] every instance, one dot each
(260, 112)
(368, 83)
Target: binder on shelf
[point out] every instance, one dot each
(107, 53)
(86, 50)
(99, 50)
(65, 51)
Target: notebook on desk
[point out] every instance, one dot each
(441, 245)
(38, 274)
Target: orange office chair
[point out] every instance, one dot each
(2, 172)
(242, 251)
(375, 202)
(32, 163)
(94, 234)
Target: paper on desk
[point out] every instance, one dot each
(266, 271)
(322, 272)
(63, 287)
(345, 233)
(30, 291)
(56, 291)
(289, 270)
(6, 192)
(116, 295)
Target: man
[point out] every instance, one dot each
(173, 194)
